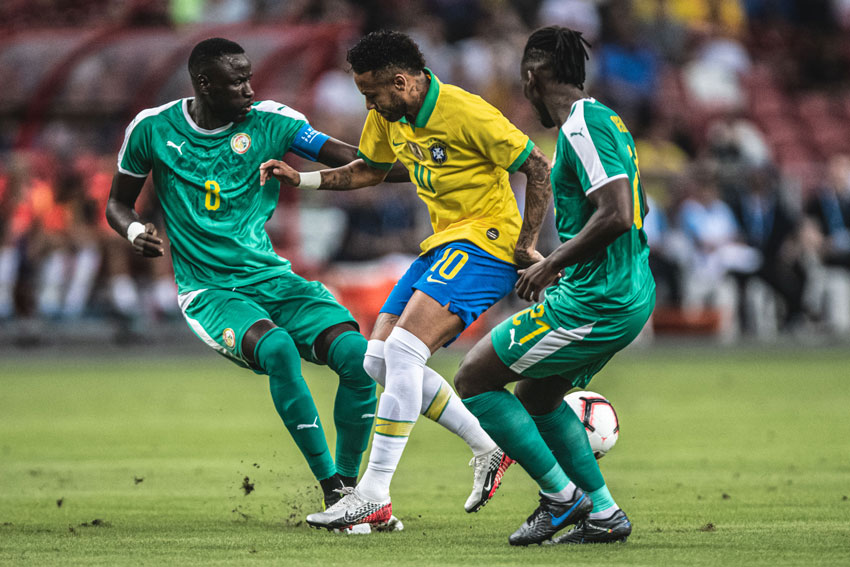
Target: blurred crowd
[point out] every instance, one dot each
(740, 110)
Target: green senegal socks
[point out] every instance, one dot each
(354, 408)
(564, 433)
(502, 416)
(278, 356)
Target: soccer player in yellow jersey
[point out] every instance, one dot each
(459, 151)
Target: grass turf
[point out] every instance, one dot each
(723, 457)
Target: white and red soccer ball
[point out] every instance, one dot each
(599, 419)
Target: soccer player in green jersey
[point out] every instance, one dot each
(603, 299)
(236, 293)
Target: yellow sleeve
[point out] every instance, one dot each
(375, 147)
(495, 137)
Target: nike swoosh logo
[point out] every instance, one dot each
(558, 520)
(488, 486)
(398, 144)
(367, 416)
(432, 280)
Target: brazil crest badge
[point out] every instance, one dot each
(438, 153)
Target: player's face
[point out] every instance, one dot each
(229, 93)
(531, 90)
(383, 95)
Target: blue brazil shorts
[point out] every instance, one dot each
(458, 274)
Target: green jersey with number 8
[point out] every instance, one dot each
(595, 148)
(208, 182)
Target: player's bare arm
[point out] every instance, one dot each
(613, 216)
(351, 176)
(537, 194)
(121, 213)
(336, 153)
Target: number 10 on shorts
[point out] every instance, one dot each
(450, 263)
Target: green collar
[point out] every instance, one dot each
(428, 104)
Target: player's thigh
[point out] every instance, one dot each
(304, 308)
(220, 318)
(399, 297)
(384, 325)
(548, 340)
(464, 281)
(482, 371)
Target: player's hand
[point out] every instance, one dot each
(524, 258)
(280, 171)
(148, 244)
(534, 279)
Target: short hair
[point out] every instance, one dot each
(210, 49)
(382, 50)
(562, 50)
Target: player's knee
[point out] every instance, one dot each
(252, 337)
(465, 382)
(345, 357)
(479, 372)
(277, 355)
(374, 363)
(328, 339)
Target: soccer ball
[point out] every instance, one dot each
(599, 419)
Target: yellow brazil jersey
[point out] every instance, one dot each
(459, 152)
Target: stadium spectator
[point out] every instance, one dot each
(771, 224)
(829, 205)
(717, 252)
(628, 71)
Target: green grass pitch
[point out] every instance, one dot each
(724, 458)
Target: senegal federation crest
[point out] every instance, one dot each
(240, 143)
(438, 153)
(229, 338)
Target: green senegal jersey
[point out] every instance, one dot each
(595, 148)
(208, 182)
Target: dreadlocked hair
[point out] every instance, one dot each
(561, 49)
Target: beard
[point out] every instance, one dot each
(543, 115)
(396, 110)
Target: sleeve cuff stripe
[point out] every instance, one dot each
(605, 181)
(131, 173)
(375, 164)
(521, 157)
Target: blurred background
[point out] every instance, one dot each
(740, 110)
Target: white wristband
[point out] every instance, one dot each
(310, 180)
(134, 230)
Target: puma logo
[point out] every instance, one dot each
(579, 133)
(513, 341)
(170, 144)
(301, 426)
(367, 416)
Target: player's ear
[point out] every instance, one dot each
(400, 82)
(203, 83)
(531, 80)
